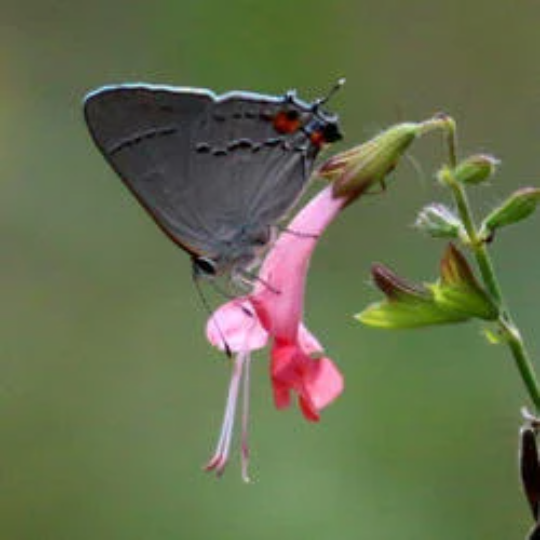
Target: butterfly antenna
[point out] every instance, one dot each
(212, 316)
(330, 94)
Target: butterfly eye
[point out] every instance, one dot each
(331, 133)
(204, 266)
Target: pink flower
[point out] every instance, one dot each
(273, 312)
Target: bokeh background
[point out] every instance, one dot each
(110, 397)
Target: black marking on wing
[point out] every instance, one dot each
(140, 137)
(203, 148)
(248, 144)
(239, 144)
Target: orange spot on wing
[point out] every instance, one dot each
(317, 138)
(286, 122)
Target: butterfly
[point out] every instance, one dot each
(215, 172)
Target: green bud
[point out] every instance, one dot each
(353, 172)
(476, 169)
(519, 205)
(439, 221)
(444, 176)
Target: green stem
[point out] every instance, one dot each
(523, 362)
(507, 326)
(477, 245)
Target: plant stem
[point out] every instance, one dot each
(523, 362)
(507, 327)
(476, 244)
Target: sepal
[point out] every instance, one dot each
(455, 297)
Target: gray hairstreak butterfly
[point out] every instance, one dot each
(216, 172)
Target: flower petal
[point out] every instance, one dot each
(308, 410)
(323, 383)
(279, 293)
(317, 381)
(237, 324)
(282, 395)
(307, 341)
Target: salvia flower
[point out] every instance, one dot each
(272, 314)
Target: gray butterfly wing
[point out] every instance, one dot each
(256, 174)
(145, 134)
(207, 168)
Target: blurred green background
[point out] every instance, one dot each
(110, 397)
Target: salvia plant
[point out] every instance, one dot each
(466, 289)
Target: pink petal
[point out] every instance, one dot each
(324, 383)
(237, 323)
(307, 341)
(308, 410)
(285, 267)
(282, 395)
(317, 381)
(286, 366)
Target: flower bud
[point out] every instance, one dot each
(476, 169)
(359, 168)
(519, 205)
(438, 221)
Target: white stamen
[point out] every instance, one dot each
(220, 458)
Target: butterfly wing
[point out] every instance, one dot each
(145, 134)
(205, 167)
(252, 173)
